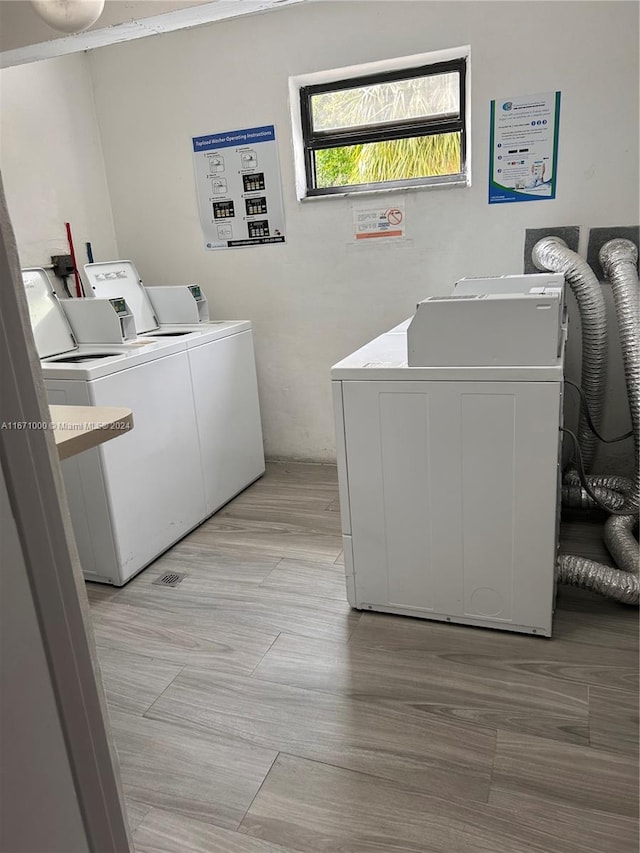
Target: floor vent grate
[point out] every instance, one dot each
(170, 579)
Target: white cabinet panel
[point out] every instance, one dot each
(154, 482)
(228, 416)
(453, 498)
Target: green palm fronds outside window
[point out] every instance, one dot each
(394, 160)
(435, 96)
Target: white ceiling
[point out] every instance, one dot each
(25, 37)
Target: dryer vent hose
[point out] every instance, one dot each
(619, 259)
(551, 253)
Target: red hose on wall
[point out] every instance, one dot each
(72, 252)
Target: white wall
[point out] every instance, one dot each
(318, 297)
(51, 160)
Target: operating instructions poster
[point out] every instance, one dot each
(524, 148)
(239, 190)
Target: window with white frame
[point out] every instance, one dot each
(383, 126)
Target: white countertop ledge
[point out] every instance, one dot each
(79, 428)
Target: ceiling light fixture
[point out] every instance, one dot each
(69, 16)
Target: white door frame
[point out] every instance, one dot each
(34, 482)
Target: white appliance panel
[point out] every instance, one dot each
(341, 455)
(120, 278)
(228, 416)
(51, 330)
(487, 449)
(133, 497)
(453, 499)
(347, 552)
(99, 321)
(385, 358)
(404, 447)
(485, 330)
(157, 459)
(182, 303)
(509, 283)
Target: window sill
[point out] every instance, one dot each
(355, 194)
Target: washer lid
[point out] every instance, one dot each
(51, 328)
(120, 278)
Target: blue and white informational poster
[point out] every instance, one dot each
(239, 190)
(523, 148)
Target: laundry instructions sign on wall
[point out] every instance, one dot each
(239, 189)
(523, 148)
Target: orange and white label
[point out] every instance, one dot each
(378, 222)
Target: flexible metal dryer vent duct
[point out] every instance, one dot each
(551, 253)
(618, 258)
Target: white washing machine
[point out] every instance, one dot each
(448, 446)
(130, 499)
(223, 376)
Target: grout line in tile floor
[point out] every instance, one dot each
(265, 654)
(264, 580)
(177, 675)
(238, 828)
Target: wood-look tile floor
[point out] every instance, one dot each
(254, 712)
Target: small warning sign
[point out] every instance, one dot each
(378, 222)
